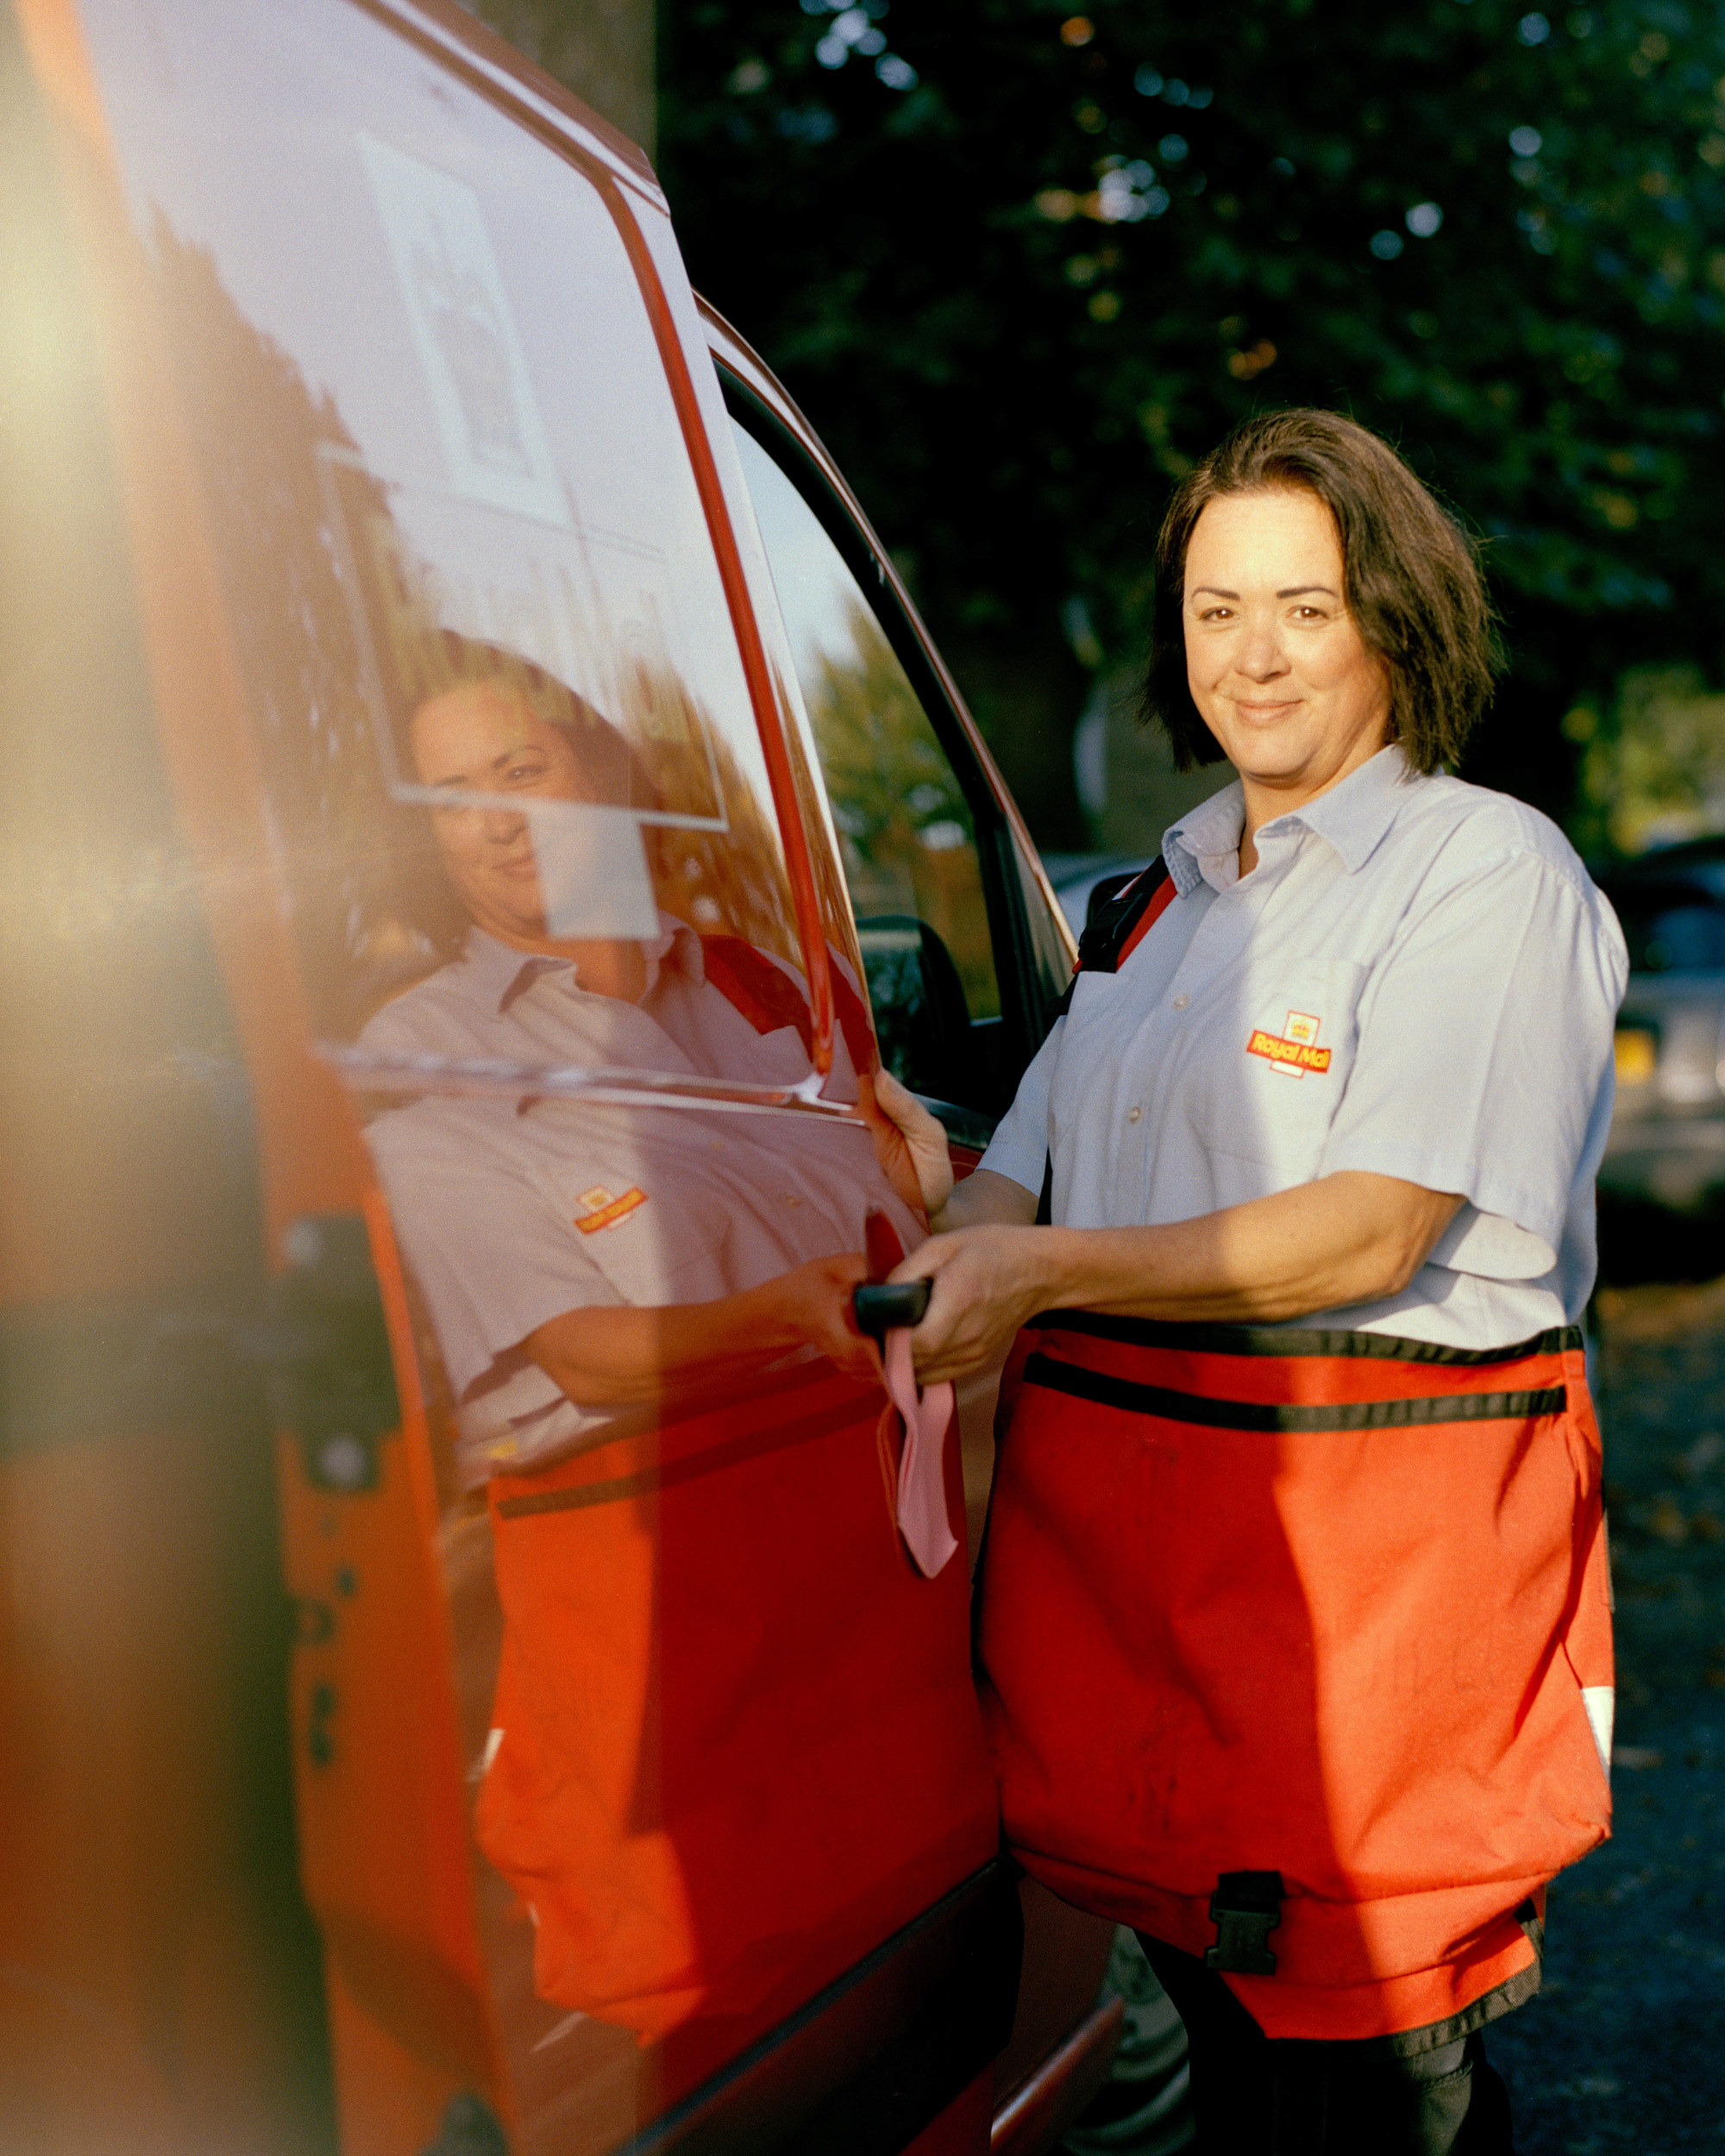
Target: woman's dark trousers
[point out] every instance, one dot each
(1255, 2096)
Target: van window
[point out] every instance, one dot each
(906, 832)
(442, 479)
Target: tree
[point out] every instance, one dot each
(1022, 266)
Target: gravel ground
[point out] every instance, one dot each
(1624, 2047)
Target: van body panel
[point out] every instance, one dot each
(160, 1989)
(642, 1798)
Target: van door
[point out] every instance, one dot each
(641, 1790)
(967, 953)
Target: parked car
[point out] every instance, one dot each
(422, 612)
(1667, 1143)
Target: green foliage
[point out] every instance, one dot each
(1654, 771)
(1018, 297)
(883, 765)
(908, 839)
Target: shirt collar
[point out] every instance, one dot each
(1352, 816)
(1204, 846)
(498, 973)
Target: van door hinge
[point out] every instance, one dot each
(324, 1345)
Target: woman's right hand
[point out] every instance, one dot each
(988, 1282)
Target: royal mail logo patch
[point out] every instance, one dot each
(1295, 1051)
(603, 1210)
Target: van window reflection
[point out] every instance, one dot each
(580, 1258)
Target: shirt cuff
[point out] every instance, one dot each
(1021, 1164)
(526, 1421)
(1490, 1246)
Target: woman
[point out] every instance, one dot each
(1292, 1625)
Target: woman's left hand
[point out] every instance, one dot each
(909, 1143)
(988, 1280)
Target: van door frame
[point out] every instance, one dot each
(758, 404)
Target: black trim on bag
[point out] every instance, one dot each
(1259, 1339)
(1254, 1414)
(1108, 930)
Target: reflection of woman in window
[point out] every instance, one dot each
(580, 1257)
(579, 1260)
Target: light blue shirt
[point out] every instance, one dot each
(1418, 980)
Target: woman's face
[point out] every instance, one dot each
(1278, 669)
(485, 738)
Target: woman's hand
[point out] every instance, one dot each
(909, 1142)
(988, 1280)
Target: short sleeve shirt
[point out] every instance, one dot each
(1418, 980)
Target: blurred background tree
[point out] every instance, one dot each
(1021, 266)
(1653, 770)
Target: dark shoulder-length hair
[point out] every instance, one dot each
(1413, 580)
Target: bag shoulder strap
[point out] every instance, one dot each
(769, 998)
(1116, 927)
(1118, 924)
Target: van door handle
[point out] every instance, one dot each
(881, 1306)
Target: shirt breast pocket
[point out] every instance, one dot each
(1278, 1051)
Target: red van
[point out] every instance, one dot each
(480, 807)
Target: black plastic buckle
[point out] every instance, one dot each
(1246, 1907)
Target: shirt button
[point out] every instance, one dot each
(1180, 1002)
(1132, 1114)
(790, 1200)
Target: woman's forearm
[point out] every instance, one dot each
(1346, 1238)
(612, 1358)
(984, 1198)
